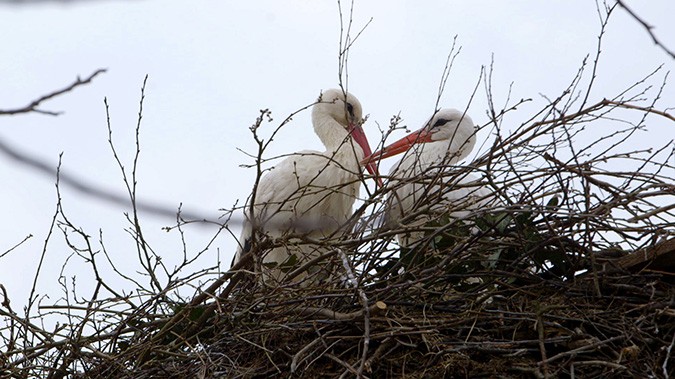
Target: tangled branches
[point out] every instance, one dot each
(569, 273)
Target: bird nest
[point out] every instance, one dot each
(452, 318)
(444, 316)
(569, 274)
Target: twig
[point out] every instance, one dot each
(666, 359)
(579, 350)
(83, 186)
(644, 109)
(300, 355)
(17, 245)
(32, 107)
(374, 309)
(542, 347)
(601, 363)
(647, 27)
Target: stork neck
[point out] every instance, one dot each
(335, 137)
(431, 153)
(424, 156)
(450, 151)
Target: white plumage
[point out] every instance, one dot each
(311, 193)
(424, 181)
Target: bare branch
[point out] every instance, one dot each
(33, 106)
(648, 28)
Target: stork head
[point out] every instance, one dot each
(342, 107)
(449, 126)
(345, 109)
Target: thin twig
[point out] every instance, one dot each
(33, 106)
(648, 28)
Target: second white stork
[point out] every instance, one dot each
(424, 183)
(310, 194)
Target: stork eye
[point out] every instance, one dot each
(439, 122)
(350, 109)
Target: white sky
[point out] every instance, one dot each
(213, 64)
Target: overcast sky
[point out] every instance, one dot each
(213, 64)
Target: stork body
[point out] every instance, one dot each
(425, 184)
(310, 194)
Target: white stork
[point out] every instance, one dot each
(311, 193)
(423, 181)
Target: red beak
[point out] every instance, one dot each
(359, 136)
(400, 146)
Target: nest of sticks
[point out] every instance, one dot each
(613, 321)
(569, 274)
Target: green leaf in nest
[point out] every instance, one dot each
(290, 263)
(553, 202)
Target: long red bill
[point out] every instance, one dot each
(360, 137)
(400, 146)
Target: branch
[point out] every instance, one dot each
(89, 188)
(378, 308)
(32, 107)
(647, 27)
(645, 109)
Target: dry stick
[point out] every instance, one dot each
(644, 109)
(542, 348)
(598, 50)
(31, 298)
(666, 359)
(663, 250)
(16, 246)
(375, 309)
(579, 350)
(647, 27)
(82, 308)
(602, 363)
(587, 235)
(449, 61)
(300, 355)
(322, 353)
(386, 343)
(11, 339)
(349, 368)
(32, 107)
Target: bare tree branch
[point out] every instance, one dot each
(81, 185)
(647, 27)
(33, 106)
